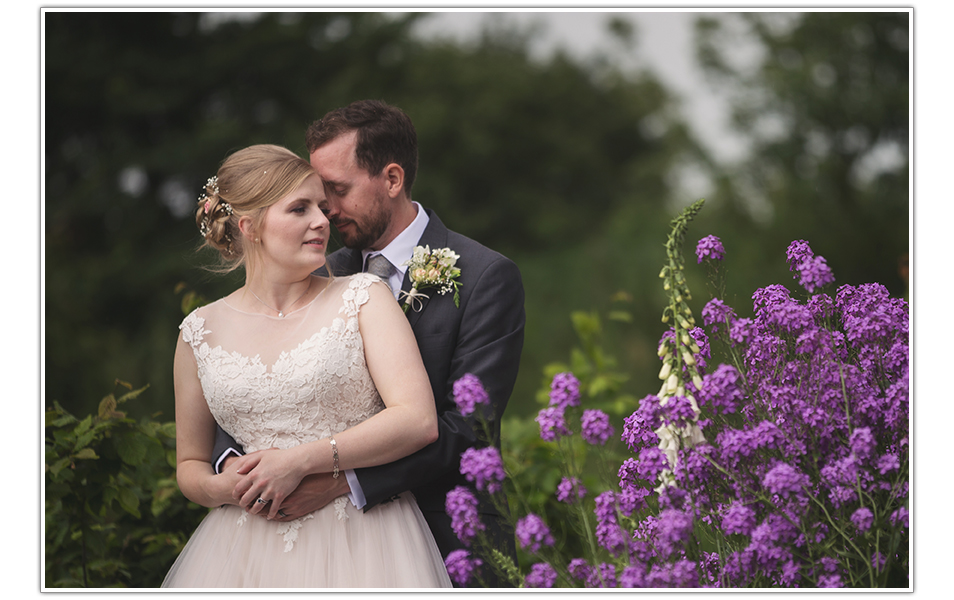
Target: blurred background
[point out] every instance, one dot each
(570, 158)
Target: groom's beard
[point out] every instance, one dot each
(361, 235)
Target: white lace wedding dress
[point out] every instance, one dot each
(279, 382)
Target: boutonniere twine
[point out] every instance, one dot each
(431, 269)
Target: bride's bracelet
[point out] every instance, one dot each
(334, 454)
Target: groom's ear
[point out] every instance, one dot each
(394, 175)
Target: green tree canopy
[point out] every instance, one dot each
(539, 159)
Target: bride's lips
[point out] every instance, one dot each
(315, 242)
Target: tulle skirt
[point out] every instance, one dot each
(339, 546)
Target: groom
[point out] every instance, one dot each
(366, 155)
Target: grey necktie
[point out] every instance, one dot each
(380, 266)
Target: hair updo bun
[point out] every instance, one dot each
(248, 182)
(214, 219)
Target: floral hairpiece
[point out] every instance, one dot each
(205, 225)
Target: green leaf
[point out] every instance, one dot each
(131, 448)
(129, 502)
(84, 425)
(59, 466)
(620, 315)
(86, 453)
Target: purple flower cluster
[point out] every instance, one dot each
(718, 315)
(595, 425)
(802, 443)
(461, 506)
(609, 534)
(709, 248)
(636, 432)
(570, 490)
(813, 271)
(484, 467)
(552, 423)
(564, 390)
(721, 391)
(461, 566)
(469, 393)
(532, 533)
(541, 575)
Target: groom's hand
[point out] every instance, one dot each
(314, 492)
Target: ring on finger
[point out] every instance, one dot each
(281, 513)
(260, 501)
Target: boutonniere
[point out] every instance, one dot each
(432, 269)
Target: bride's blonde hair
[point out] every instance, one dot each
(248, 182)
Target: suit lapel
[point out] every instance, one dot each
(435, 236)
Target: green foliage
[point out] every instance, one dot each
(114, 516)
(826, 107)
(534, 158)
(535, 467)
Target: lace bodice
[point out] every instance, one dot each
(273, 382)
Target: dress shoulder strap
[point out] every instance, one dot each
(193, 329)
(356, 294)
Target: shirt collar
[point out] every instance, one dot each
(401, 248)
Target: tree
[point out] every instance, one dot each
(549, 162)
(826, 107)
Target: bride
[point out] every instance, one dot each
(310, 375)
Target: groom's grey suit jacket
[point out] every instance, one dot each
(484, 336)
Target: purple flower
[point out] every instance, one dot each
(673, 529)
(484, 467)
(709, 247)
(887, 463)
(579, 569)
(899, 517)
(717, 314)
(651, 462)
(813, 270)
(678, 411)
(785, 480)
(564, 390)
(461, 506)
(636, 432)
(541, 575)
(633, 577)
(862, 443)
(596, 426)
(552, 423)
(738, 519)
(469, 393)
(798, 252)
(532, 532)
(680, 574)
(815, 274)
(608, 532)
(863, 518)
(741, 331)
(570, 490)
(830, 581)
(461, 567)
(603, 577)
(720, 390)
(878, 561)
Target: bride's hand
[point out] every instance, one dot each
(271, 475)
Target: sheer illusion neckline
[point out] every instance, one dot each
(286, 315)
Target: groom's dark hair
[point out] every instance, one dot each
(385, 135)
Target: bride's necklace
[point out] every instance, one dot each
(280, 312)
